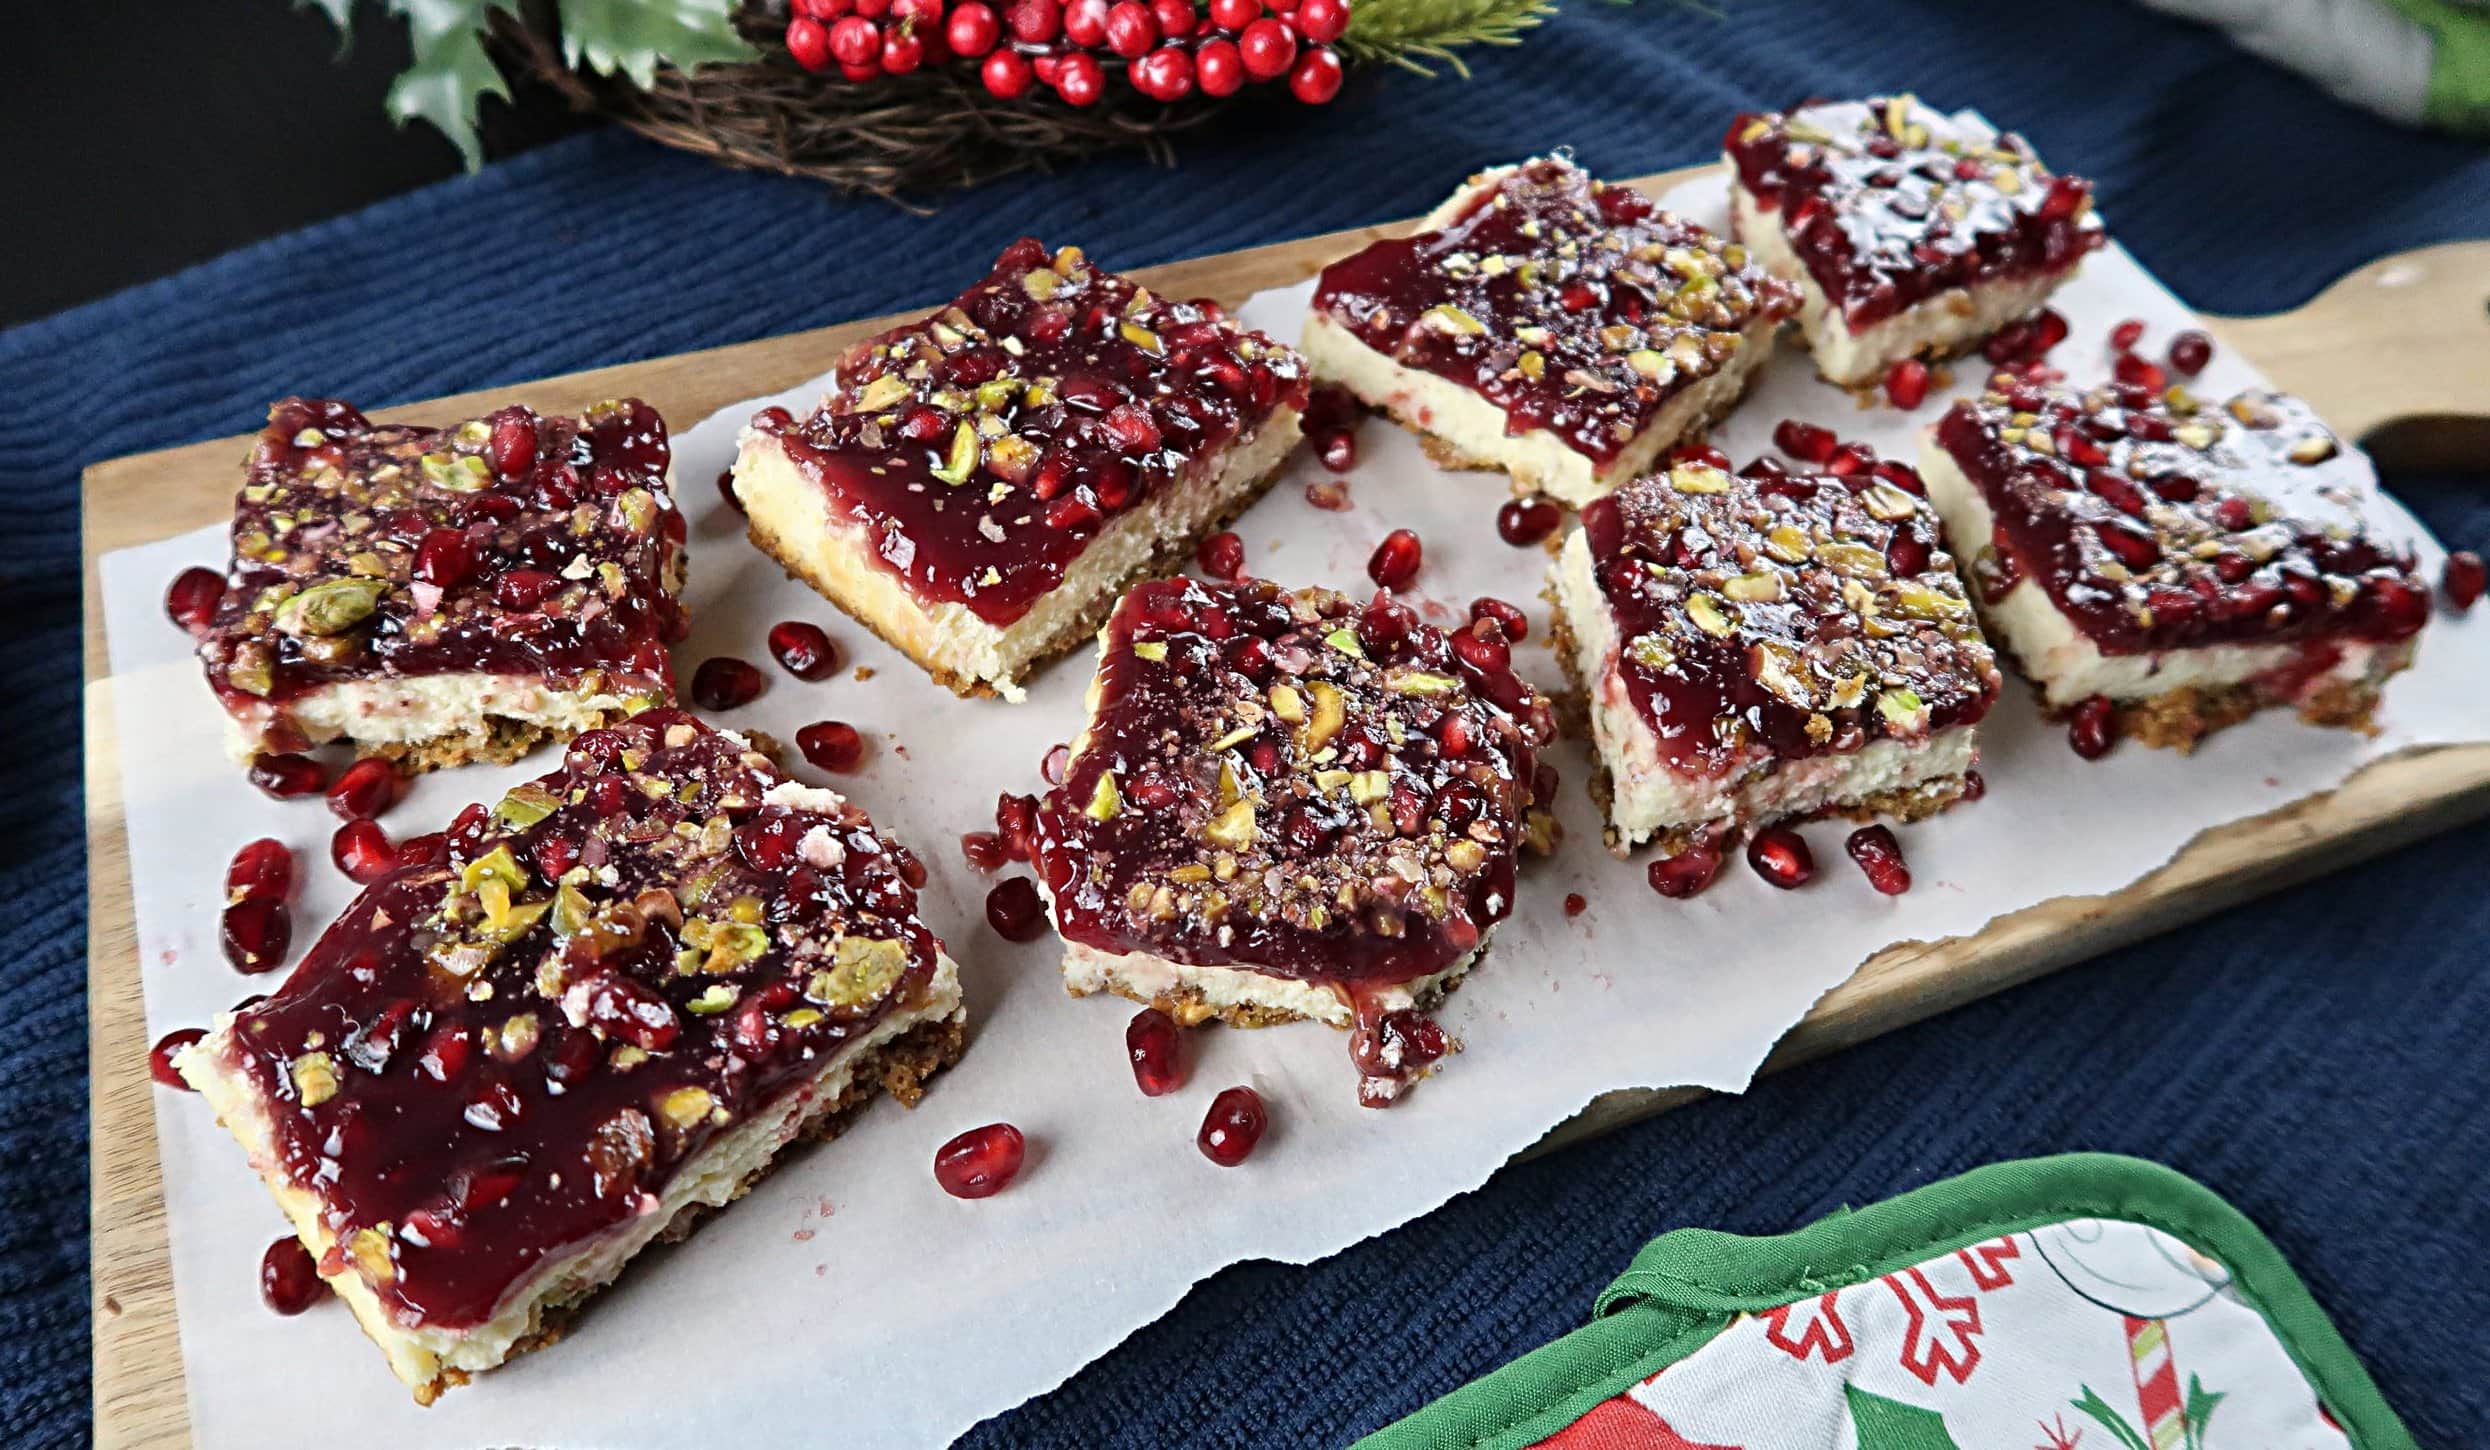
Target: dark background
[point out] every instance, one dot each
(145, 135)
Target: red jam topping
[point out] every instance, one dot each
(505, 1054)
(2159, 523)
(510, 544)
(1574, 306)
(1784, 614)
(984, 447)
(1887, 202)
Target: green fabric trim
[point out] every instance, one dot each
(2459, 63)
(1685, 1287)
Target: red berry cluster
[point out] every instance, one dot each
(1166, 48)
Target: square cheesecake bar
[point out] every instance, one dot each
(1548, 324)
(980, 485)
(2190, 563)
(438, 595)
(1769, 645)
(593, 1013)
(1907, 231)
(1287, 807)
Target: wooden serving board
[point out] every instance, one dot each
(2396, 354)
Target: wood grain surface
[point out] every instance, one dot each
(2396, 354)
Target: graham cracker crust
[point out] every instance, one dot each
(1185, 1002)
(499, 740)
(899, 1068)
(1443, 453)
(2181, 719)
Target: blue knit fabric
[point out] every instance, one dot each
(2319, 1067)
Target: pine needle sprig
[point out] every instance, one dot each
(1418, 35)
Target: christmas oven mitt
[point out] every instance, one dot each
(2083, 1301)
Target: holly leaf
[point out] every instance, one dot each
(633, 36)
(1884, 1424)
(451, 72)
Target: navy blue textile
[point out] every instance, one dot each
(2321, 1069)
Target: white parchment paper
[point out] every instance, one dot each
(847, 1300)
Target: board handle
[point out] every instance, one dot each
(2395, 354)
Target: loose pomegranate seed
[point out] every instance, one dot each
(1330, 495)
(1975, 785)
(1901, 475)
(287, 775)
(361, 849)
(363, 790)
(724, 682)
(2048, 330)
(1150, 1040)
(1232, 1127)
(2462, 579)
(1508, 617)
(1015, 818)
(256, 931)
(192, 598)
(2093, 728)
(1575, 904)
(2190, 351)
(288, 1280)
(1906, 384)
(261, 871)
(980, 1162)
(803, 650)
(1780, 856)
(2142, 372)
(1525, 521)
(1221, 556)
(1804, 440)
(1684, 874)
(1396, 559)
(1880, 856)
(1337, 449)
(160, 1057)
(1014, 910)
(2127, 334)
(726, 489)
(831, 745)
(984, 850)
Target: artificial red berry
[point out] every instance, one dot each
(1508, 617)
(803, 649)
(1395, 561)
(1131, 30)
(169, 1046)
(855, 40)
(1906, 383)
(1233, 16)
(2093, 727)
(2190, 351)
(1880, 856)
(972, 30)
(808, 42)
(1006, 74)
(1523, 522)
(1317, 76)
(858, 74)
(1175, 18)
(1780, 856)
(725, 682)
(1232, 1127)
(980, 1162)
(1321, 21)
(191, 600)
(1034, 22)
(831, 745)
(1152, 1043)
(1015, 911)
(361, 849)
(1221, 556)
(282, 776)
(2462, 579)
(261, 871)
(1684, 874)
(363, 790)
(1268, 48)
(1081, 81)
(1805, 441)
(1085, 23)
(2127, 334)
(902, 51)
(1217, 67)
(288, 1279)
(1164, 75)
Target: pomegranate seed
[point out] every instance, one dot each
(1975, 785)
(1150, 1040)
(724, 682)
(288, 1280)
(2190, 351)
(2093, 728)
(1686, 873)
(1337, 450)
(1014, 910)
(1906, 553)
(2462, 579)
(256, 932)
(1780, 856)
(1525, 521)
(445, 557)
(1880, 856)
(512, 449)
(1508, 617)
(2127, 334)
(2135, 547)
(1906, 384)
(2048, 330)
(361, 849)
(1221, 556)
(287, 775)
(625, 1009)
(1396, 559)
(803, 650)
(726, 490)
(2393, 608)
(524, 589)
(1805, 440)
(192, 598)
(261, 871)
(980, 1162)
(1901, 475)
(160, 1057)
(983, 850)
(2143, 373)
(430, 849)
(363, 790)
(831, 745)
(1232, 1127)
(1575, 904)
(1015, 817)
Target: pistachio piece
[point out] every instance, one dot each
(1104, 803)
(314, 1075)
(1232, 828)
(1330, 713)
(370, 1249)
(1759, 588)
(331, 606)
(524, 805)
(1709, 614)
(1153, 650)
(1698, 478)
(685, 1106)
(1420, 682)
(1444, 317)
(862, 969)
(1902, 709)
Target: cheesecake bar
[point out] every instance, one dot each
(1287, 807)
(599, 1010)
(1768, 645)
(980, 485)
(1548, 324)
(2191, 563)
(1908, 232)
(438, 595)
